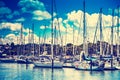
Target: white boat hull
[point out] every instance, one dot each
(68, 65)
(108, 67)
(86, 66)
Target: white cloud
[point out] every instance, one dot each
(40, 15)
(92, 19)
(20, 19)
(11, 26)
(91, 22)
(74, 16)
(17, 39)
(14, 27)
(31, 5)
(59, 24)
(42, 27)
(54, 14)
(10, 38)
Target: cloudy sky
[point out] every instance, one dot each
(68, 18)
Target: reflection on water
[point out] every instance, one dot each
(29, 72)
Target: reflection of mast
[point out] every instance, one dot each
(118, 33)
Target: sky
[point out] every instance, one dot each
(67, 19)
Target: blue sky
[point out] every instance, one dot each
(38, 12)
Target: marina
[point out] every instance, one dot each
(48, 45)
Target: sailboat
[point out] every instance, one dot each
(109, 64)
(87, 63)
(117, 60)
(69, 60)
(47, 61)
(22, 59)
(7, 58)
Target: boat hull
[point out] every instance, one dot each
(90, 69)
(7, 60)
(87, 67)
(68, 65)
(24, 62)
(47, 65)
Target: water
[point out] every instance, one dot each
(29, 72)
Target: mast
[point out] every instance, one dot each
(112, 32)
(29, 36)
(17, 46)
(52, 34)
(29, 42)
(39, 44)
(73, 42)
(118, 53)
(24, 45)
(84, 30)
(33, 47)
(101, 36)
(112, 38)
(44, 39)
(55, 41)
(66, 42)
(21, 40)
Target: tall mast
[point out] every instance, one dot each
(118, 33)
(44, 39)
(101, 36)
(33, 38)
(66, 42)
(73, 42)
(39, 43)
(55, 40)
(52, 34)
(17, 46)
(112, 38)
(21, 39)
(112, 32)
(84, 30)
(24, 45)
(21, 35)
(29, 41)
(29, 36)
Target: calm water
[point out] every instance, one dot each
(29, 72)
